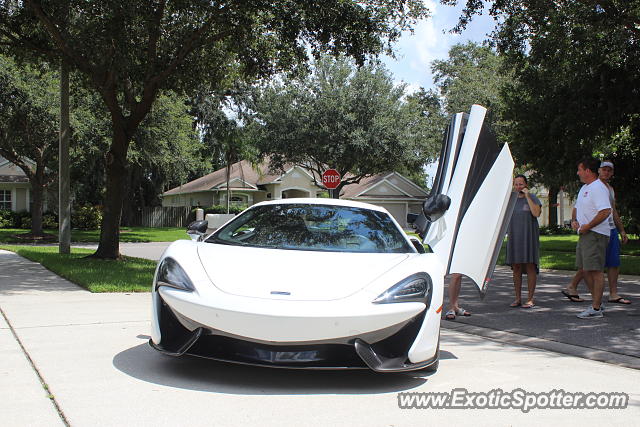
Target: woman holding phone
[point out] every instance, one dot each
(523, 243)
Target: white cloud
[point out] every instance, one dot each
(432, 40)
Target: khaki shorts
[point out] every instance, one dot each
(591, 251)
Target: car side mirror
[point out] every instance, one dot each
(432, 209)
(435, 207)
(197, 229)
(417, 244)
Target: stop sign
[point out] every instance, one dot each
(330, 178)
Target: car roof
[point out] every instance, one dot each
(323, 201)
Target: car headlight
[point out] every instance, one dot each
(415, 288)
(171, 274)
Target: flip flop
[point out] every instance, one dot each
(451, 315)
(620, 300)
(515, 304)
(527, 305)
(462, 312)
(572, 298)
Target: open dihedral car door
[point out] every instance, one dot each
(475, 175)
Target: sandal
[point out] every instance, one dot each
(462, 312)
(528, 305)
(515, 304)
(572, 298)
(620, 300)
(451, 315)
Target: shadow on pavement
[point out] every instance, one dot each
(144, 363)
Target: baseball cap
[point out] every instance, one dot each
(606, 164)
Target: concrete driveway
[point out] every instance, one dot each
(90, 351)
(551, 325)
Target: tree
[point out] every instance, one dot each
(130, 51)
(576, 86)
(472, 74)
(29, 128)
(354, 120)
(220, 121)
(165, 151)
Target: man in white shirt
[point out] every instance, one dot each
(592, 210)
(612, 260)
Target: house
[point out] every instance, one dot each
(15, 190)
(564, 206)
(250, 185)
(392, 191)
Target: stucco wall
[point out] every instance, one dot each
(398, 210)
(22, 202)
(204, 198)
(11, 169)
(383, 189)
(296, 179)
(410, 189)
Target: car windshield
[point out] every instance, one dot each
(314, 227)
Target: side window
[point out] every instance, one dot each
(5, 199)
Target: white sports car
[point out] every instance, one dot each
(324, 283)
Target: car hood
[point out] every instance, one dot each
(292, 274)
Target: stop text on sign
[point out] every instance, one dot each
(331, 178)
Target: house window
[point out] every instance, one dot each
(238, 200)
(5, 199)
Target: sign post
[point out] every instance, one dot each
(331, 180)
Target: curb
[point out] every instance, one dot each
(544, 344)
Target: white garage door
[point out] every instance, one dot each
(398, 210)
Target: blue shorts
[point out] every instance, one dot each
(613, 250)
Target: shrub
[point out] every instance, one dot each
(49, 220)
(86, 217)
(25, 222)
(22, 219)
(6, 218)
(555, 230)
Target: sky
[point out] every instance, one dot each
(431, 40)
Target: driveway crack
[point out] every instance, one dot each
(44, 384)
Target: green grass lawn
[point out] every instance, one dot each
(96, 275)
(127, 234)
(135, 274)
(559, 253)
(568, 243)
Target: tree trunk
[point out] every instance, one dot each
(116, 175)
(37, 194)
(228, 178)
(553, 205)
(64, 183)
(132, 199)
(335, 193)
